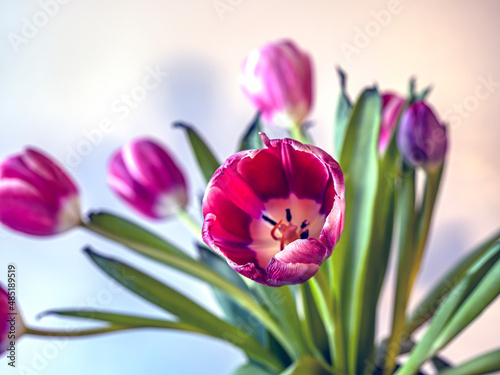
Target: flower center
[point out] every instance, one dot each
(287, 233)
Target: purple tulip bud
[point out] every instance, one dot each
(421, 138)
(144, 175)
(277, 78)
(11, 322)
(392, 105)
(36, 196)
(275, 214)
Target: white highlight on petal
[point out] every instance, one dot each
(69, 213)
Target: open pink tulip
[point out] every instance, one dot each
(277, 78)
(275, 214)
(144, 175)
(36, 196)
(392, 105)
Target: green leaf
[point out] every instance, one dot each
(188, 311)
(129, 234)
(281, 304)
(480, 297)
(251, 140)
(204, 273)
(234, 313)
(463, 304)
(307, 365)
(127, 320)
(342, 115)
(360, 163)
(485, 364)
(251, 369)
(431, 302)
(439, 363)
(206, 159)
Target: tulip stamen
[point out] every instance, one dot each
(269, 220)
(288, 215)
(273, 232)
(304, 235)
(304, 224)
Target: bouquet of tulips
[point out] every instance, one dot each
(294, 241)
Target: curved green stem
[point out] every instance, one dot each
(326, 316)
(189, 222)
(90, 332)
(297, 133)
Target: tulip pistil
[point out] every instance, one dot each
(289, 232)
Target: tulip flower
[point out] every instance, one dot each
(36, 196)
(145, 176)
(421, 139)
(5, 326)
(392, 105)
(277, 78)
(275, 214)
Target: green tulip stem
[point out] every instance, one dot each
(325, 312)
(412, 245)
(297, 133)
(405, 216)
(189, 222)
(75, 333)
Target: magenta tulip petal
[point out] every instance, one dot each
(277, 78)
(145, 176)
(4, 325)
(36, 196)
(392, 105)
(275, 227)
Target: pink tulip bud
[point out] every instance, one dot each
(421, 139)
(11, 323)
(145, 176)
(36, 196)
(392, 105)
(275, 214)
(277, 78)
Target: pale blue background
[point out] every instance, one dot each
(67, 77)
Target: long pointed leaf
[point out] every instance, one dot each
(429, 305)
(188, 311)
(342, 116)
(206, 159)
(251, 140)
(465, 301)
(485, 364)
(127, 320)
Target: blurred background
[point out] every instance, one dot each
(68, 67)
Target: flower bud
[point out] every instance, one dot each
(392, 105)
(36, 196)
(144, 175)
(421, 139)
(277, 78)
(11, 323)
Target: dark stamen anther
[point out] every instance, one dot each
(304, 224)
(288, 215)
(269, 220)
(305, 234)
